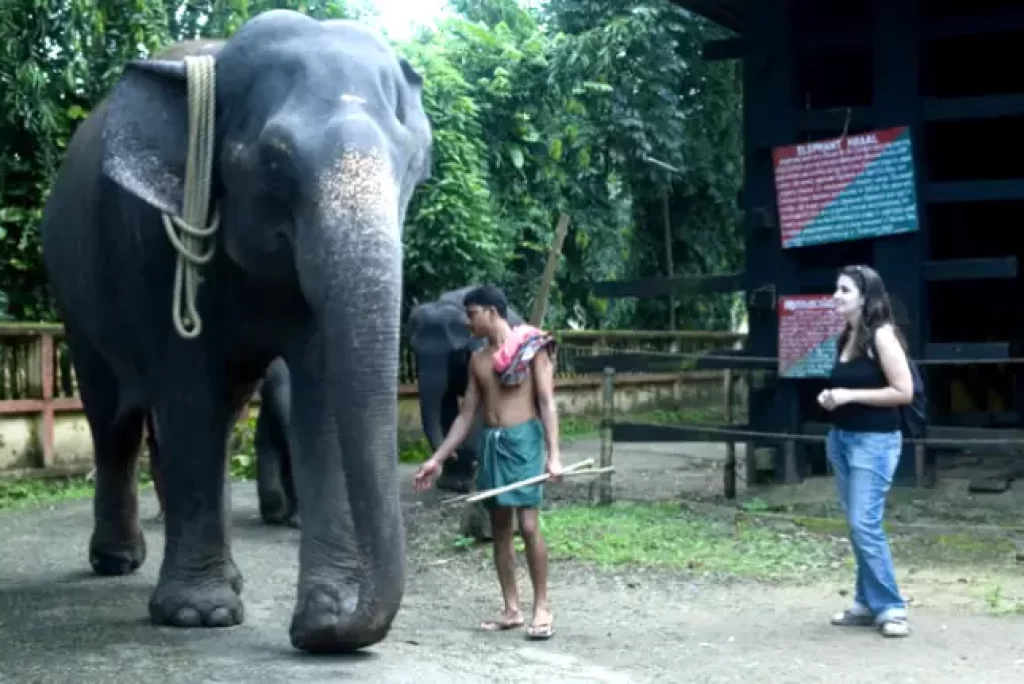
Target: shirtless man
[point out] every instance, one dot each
(512, 446)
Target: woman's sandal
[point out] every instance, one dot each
(895, 627)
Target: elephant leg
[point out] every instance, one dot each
(199, 584)
(154, 460)
(117, 546)
(274, 487)
(456, 473)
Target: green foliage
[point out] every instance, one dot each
(535, 112)
(451, 234)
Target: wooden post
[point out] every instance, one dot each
(730, 445)
(919, 465)
(669, 265)
(540, 304)
(608, 404)
(751, 447)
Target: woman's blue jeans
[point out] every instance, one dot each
(863, 464)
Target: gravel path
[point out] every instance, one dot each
(58, 623)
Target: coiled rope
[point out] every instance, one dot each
(189, 233)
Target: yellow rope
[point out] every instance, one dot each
(187, 233)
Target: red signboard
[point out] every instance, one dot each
(808, 328)
(846, 188)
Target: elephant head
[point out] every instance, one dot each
(438, 334)
(320, 140)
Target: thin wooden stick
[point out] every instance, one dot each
(487, 494)
(472, 497)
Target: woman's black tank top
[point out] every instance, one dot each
(862, 372)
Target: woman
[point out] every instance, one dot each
(870, 380)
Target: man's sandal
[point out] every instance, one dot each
(540, 632)
(502, 625)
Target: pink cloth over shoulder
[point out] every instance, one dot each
(512, 360)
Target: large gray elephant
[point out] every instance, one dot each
(438, 334)
(320, 139)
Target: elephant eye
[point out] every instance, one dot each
(276, 170)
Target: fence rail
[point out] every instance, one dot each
(36, 377)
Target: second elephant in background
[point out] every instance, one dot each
(438, 334)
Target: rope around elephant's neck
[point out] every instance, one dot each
(189, 242)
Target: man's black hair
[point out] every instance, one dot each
(487, 295)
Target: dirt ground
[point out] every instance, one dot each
(58, 623)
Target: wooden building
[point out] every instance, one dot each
(946, 69)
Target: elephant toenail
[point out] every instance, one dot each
(188, 617)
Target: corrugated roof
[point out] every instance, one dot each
(728, 13)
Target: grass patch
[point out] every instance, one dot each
(662, 535)
(26, 493)
(746, 546)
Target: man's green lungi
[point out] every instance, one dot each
(512, 454)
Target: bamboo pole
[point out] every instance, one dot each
(540, 304)
(473, 497)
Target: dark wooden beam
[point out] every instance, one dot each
(638, 362)
(983, 107)
(823, 279)
(833, 120)
(974, 191)
(969, 434)
(734, 359)
(954, 353)
(950, 269)
(650, 288)
(722, 50)
(977, 419)
(972, 269)
(1004, 20)
(646, 432)
(840, 36)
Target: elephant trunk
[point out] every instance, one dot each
(432, 383)
(352, 554)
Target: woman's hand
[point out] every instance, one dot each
(834, 398)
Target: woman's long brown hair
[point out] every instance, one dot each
(877, 312)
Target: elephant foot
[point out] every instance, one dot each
(112, 556)
(325, 622)
(199, 601)
(294, 521)
(279, 517)
(234, 577)
(275, 508)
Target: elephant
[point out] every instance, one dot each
(438, 333)
(275, 486)
(319, 140)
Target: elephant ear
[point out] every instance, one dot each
(414, 117)
(145, 133)
(514, 318)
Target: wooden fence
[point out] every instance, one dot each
(38, 382)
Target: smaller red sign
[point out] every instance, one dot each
(808, 328)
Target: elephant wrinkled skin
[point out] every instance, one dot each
(320, 142)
